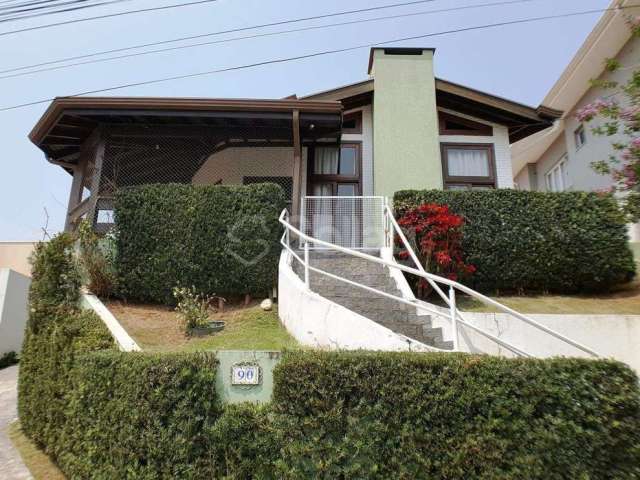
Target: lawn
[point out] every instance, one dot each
(156, 328)
(38, 463)
(624, 300)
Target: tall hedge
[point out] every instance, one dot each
(557, 242)
(221, 239)
(432, 416)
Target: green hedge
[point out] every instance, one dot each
(407, 415)
(557, 242)
(221, 239)
(105, 414)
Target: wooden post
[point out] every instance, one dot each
(97, 177)
(297, 167)
(75, 195)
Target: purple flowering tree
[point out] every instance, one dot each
(618, 115)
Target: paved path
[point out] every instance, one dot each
(11, 465)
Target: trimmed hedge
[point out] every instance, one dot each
(556, 242)
(132, 415)
(221, 239)
(407, 415)
(105, 414)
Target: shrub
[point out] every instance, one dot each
(407, 415)
(96, 260)
(220, 239)
(193, 309)
(436, 236)
(8, 359)
(557, 242)
(133, 415)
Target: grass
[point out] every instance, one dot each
(156, 328)
(38, 463)
(624, 300)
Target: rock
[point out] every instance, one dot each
(266, 305)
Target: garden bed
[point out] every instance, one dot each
(156, 328)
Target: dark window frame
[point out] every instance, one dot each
(581, 134)
(357, 116)
(477, 129)
(334, 180)
(449, 180)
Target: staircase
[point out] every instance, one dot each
(398, 317)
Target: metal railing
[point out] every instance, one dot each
(457, 320)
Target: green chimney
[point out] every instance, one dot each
(405, 120)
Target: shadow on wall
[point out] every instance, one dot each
(14, 292)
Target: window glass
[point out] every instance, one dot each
(348, 159)
(326, 161)
(468, 162)
(346, 190)
(580, 136)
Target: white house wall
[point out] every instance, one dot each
(14, 292)
(500, 141)
(366, 139)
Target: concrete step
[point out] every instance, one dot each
(398, 317)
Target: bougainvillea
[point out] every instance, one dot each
(618, 115)
(437, 235)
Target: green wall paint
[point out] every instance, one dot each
(405, 123)
(244, 393)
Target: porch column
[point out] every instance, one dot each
(297, 168)
(76, 192)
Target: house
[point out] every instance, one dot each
(559, 158)
(400, 129)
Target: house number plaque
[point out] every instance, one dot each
(246, 374)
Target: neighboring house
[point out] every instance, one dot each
(559, 158)
(401, 129)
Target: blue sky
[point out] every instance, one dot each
(519, 62)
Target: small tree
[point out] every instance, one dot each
(619, 114)
(437, 237)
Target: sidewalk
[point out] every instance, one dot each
(11, 465)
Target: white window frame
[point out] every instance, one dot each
(557, 178)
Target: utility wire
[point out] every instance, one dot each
(110, 15)
(73, 6)
(260, 35)
(210, 34)
(319, 54)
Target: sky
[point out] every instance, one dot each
(519, 62)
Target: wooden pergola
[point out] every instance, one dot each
(84, 135)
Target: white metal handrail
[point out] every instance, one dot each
(455, 317)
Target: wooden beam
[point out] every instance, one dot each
(297, 166)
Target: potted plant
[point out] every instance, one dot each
(193, 311)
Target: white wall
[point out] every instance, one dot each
(366, 140)
(500, 141)
(317, 322)
(14, 292)
(612, 336)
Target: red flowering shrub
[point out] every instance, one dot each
(437, 235)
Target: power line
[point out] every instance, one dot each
(110, 15)
(211, 34)
(74, 5)
(318, 54)
(268, 34)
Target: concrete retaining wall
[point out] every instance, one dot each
(14, 311)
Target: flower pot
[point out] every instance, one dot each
(208, 329)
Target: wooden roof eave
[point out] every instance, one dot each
(58, 106)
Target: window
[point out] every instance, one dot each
(468, 166)
(557, 179)
(335, 171)
(352, 123)
(580, 137)
(452, 125)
